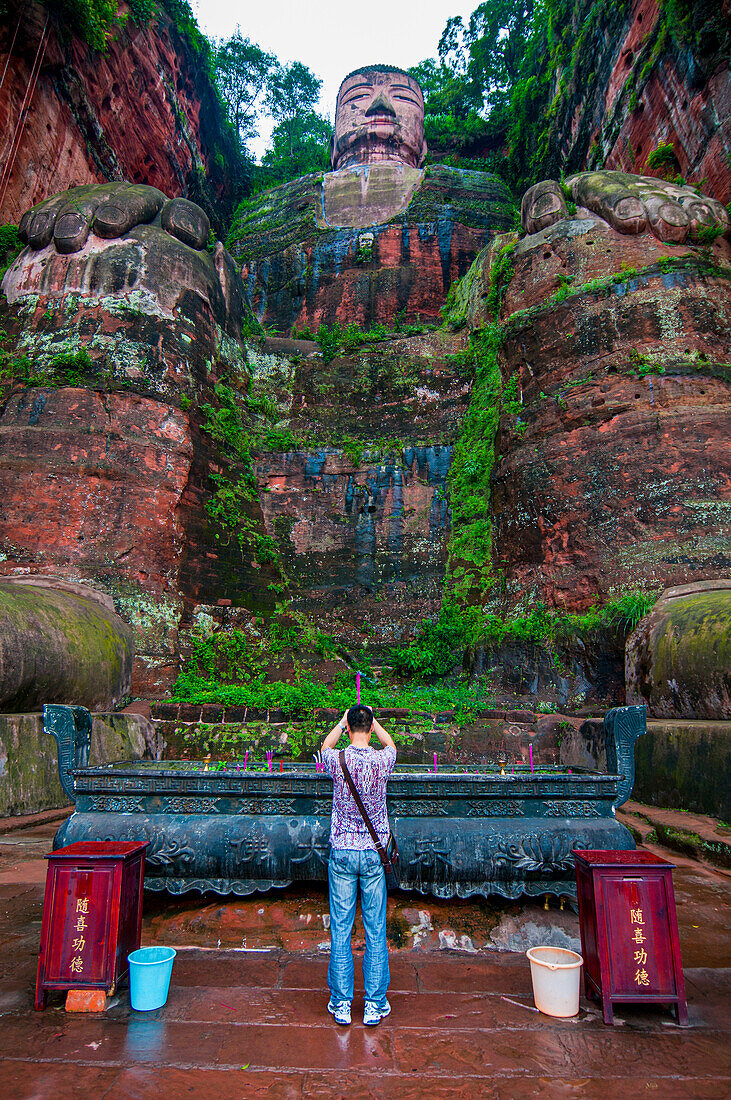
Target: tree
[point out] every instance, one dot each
(445, 91)
(242, 71)
(488, 52)
(299, 146)
(292, 92)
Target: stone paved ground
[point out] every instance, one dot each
(253, 1023)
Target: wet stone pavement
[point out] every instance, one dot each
(246, 1014)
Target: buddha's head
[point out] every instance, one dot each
(379, 116)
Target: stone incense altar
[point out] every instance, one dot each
(462, 831)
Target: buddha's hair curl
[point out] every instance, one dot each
(366, 70)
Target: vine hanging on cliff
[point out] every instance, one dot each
(469, 567)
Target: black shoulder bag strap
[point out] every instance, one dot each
(387, 867)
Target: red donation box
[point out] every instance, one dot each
(629, 930)
(92, 915)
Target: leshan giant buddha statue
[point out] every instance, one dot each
(380, 235)
(379, 118)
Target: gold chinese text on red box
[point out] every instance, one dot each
(92, 916)
(629, 930)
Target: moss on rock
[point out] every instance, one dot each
(678, 661)
(61, 646)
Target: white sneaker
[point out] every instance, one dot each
(373, 1015)
(340, 1010)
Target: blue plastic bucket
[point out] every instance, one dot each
(149, 977)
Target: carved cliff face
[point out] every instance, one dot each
(615, 331)
(126, 324)
(379, 116)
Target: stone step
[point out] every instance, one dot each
(169, 709)
(696, 835)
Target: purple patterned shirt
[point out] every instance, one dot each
(370, 769)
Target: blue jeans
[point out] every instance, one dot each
(346, 868)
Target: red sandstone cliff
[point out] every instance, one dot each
(609, 82)
(143, 111)
(614, 473)
(646, 81)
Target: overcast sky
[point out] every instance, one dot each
(332, 37)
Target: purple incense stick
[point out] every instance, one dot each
(357, 688)
(435, 761)
(530, 753)
(246, 757)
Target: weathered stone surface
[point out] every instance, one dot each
(685, 764)
(61, 647)
(678, 660)
(306, 258)
(363, 541)
(630, 204)
(359, 197)
(572, 673)
(106, 471)
(109, 471)
(615, 472)
(360, 516)
(646, 73)
(685, 102)
(144, 110)
(28, 759)
(379, 116)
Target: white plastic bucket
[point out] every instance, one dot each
(556, 974)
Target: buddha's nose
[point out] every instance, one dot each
(381, 105)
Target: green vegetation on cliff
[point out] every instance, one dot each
(469, 569)
(514, 78)
(234, 668)
(473, 583)
(437, 649)
(233, 502)
(97, 21)
(10, 246)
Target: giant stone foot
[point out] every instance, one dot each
(121, 321)
(110, 210)
(117, 238)
(630, 204)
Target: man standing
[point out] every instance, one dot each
(354, 859)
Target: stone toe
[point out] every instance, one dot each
(543, 205)
(70, 231)
(668, 221)
(40, 228)
(186, 221)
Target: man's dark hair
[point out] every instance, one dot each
(360, 718)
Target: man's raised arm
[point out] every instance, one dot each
(385, 738)
(336, 733)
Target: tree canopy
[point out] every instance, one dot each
(253, 83)
(242, 72)
(488, 52)
(300, 145)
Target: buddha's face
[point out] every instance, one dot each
(379, 116)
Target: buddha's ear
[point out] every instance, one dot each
(422, 157)
(332, 149)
